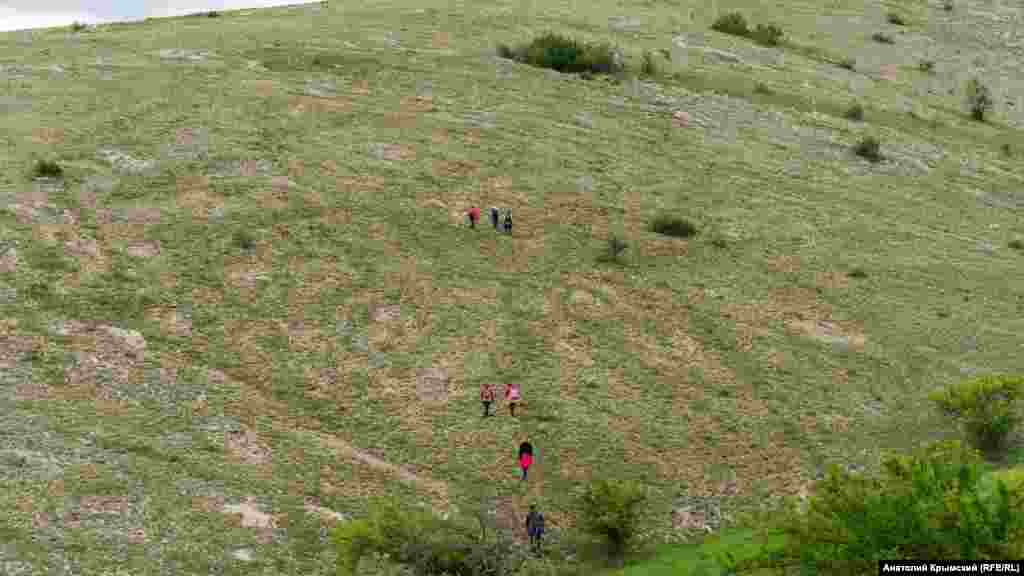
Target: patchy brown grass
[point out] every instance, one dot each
(245, 446)
(47, 135)
(316, 105)
(439, 40)
(264, 88)
(194, 196)
(455, 168)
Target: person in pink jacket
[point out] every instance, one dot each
(525, 457)
(512, 397)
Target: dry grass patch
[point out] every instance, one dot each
(832, 280)
(171, 321)
(360, 87)
(359, 186)
(787, 264)
(47, 136)
(455, 168)
(471, 137)
(416, 104)
(264, 88)
(303, 104)
(439, 137)
(245, 446)
(439, 40)
(194, 196)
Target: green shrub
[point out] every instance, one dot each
(732, 23)
(858, 273)
(762, 88)
(649, 67)
(611, 510)
(770, 35)
(855, 112)
(1006, 149)
(896, 19)
(869, 148)
(1016, 244)
(848, 63)
(927, 66)
(937, 503)
(506, 51)
(882, 38)
(565, 54)
(244, 239)
(48, 169)
(987, 408)
(77, 26)
(979, 99)
(947, 5)
(614, 250)
(673, 226)
(213, 14)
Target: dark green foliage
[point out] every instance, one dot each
(882, 38)
(947, 5)
(927, 66)
(1016, 245)
(611, 511)
(568, 55)
(767, 35)
(673, 226)
(732, 23)
(979, 99)
(869, 148)
(987, 408)
(896, 19)
(848, 63)
(857, 273)
(427, 545)
(614, 250)
(48, 169)
(649, 66)
(762, 88)
(213, 14)
(937, 503)
(855, 112)
(1006, 150)
(77, 26)
(505, 51)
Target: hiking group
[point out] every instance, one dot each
(473, 214)
(488, 394)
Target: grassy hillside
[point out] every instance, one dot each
(251, 300)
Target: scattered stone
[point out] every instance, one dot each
(184, 54)
(320, 89)
(360, 343)
(242, 554)
(126, 164)
(715, 56)
(343, 328)
(132, 339)
(584, 120)
(985, 248)
(8, 259)
(624, 23)
(585, 184)
(481, 119)
(251, 515)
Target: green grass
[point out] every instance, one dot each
(713, 556)
(685, 364)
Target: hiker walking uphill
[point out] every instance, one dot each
(525, 457)
(495, 218)
(487, 394)
(508, 222)
(512, 397)
(473, 214)
(535, 527)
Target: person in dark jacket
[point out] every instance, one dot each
(487, 394)
(508, 222)
(535, 527)
(495, 218)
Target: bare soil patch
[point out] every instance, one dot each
(303, 104)
(245, 445)
(432, 385)
(47, 135)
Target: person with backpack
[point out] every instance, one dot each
(512, 397)
(495, 218)
(508, 222)
(487, 394)
(474, 215)
(525, 458)
(535, 527)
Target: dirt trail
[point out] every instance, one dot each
(435, 487)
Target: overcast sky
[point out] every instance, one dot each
(20, 14)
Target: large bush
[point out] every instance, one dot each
(979, 99)
(987, 408)
(611, 511)
(565, 54)
(425, 544)
(938, 503)
(732, 23)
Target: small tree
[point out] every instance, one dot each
(732, 23)
(611, 510)
(979, 99)
(986, 407)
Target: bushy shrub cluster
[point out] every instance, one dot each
(869, 148)
(938, 503)
(987, 408)
(735, 24)
(47, 169)
(565, 54)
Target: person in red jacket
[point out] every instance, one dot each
(474, 215)
(512, 397)
(525, 457)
